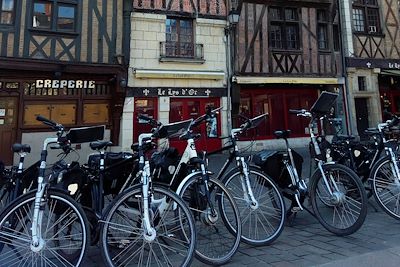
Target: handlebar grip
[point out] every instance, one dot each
(46, 121)
(295, 111)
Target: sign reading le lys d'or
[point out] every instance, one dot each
(70, 84)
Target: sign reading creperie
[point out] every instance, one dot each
(70, 84)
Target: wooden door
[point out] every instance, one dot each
(361, 115)
(8, 127)
(186, 108)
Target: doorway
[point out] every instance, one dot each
(192, 108)
(145, 106)
(8, 127)
(361, 105)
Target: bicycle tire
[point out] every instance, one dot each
(386, 187)
(269, 219)
(60, 212)
(350, 203)
(116, 238)
(204, 226)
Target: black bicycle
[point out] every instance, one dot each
(259, 199)
(376, 162)
(337, 195)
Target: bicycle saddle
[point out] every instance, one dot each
(282, 134)
(21, 148)
(100, 145)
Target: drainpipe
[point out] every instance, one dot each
(345, 45)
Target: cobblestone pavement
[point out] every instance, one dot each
(307, 243)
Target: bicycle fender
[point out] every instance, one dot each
(179, 189)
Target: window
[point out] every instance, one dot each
(362, 85)
(284, 28)
(366, 16)
(322, 29)
(336, 37)
(54, 15)
(179, 37)
(7, 12)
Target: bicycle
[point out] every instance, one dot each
(215, 212)
(15, 180)
(260, 201)
(375, 163)
(147, 224)
(385, 173)
(337, 195)
(44, 226)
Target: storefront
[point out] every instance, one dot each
(180, 104)
(73, 95)
(276, 99)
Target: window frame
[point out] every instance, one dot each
(281, 22)
(54, 17)
(12, 13)
(365, 7)
(178, 51)
(322, 24)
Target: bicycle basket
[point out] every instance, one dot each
(271, 162)
(118, 166)
(164, 164)
(324, 103)
(174, 130)
(86, 134)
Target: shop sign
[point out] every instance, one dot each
(70, 84)
(177, 92)
(373, 63)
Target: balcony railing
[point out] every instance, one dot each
(181, 50)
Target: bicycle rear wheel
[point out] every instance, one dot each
(218, 237)
(386, 187)
(343, 212)
(123, 242)
(263, 221)
(63, 227)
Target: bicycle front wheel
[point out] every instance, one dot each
(124, 243)
(343, 211)
(218, 227)
(63, 240)
(262, 221)
(386, 186)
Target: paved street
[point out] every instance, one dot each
(307, 243)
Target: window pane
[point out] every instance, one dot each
(373, 18)
(6, 18)
(8, 5)
(276, 36)
(275, 13)
(322, 37)
(42, 15)
(290, 14)
(358, 20)
(66, 18)
(292, 37)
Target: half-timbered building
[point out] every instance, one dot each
(177, 65)
(284, 54)
(372, 51)
(63, 60)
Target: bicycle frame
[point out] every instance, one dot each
(37, 239)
